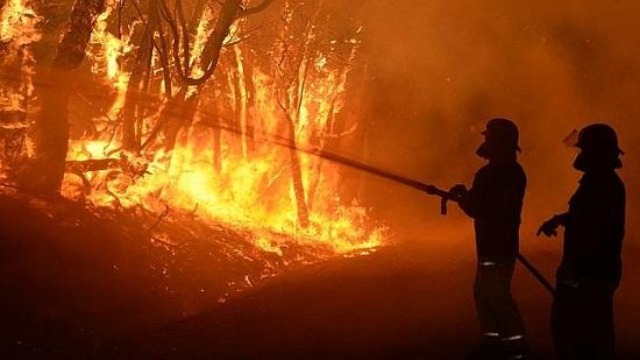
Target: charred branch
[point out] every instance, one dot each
(231, 10)
(213, 46)
(73, 44)
(82, 166)
(162, 216)
(138, 83)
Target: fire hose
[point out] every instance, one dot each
(444, 195)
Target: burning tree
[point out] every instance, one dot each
(51, 128)
(18, 22)
(200, 106)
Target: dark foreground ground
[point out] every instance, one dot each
(398, 304)
(63, 298)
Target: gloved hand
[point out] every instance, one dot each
(550, 227)
(459, 192)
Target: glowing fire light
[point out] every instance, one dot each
(18, 29)
(18, 23)
(252, 190)
(107, 52)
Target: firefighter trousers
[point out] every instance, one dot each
(582, 320)
(500, 319)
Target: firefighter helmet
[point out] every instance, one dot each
(599, 147)
(598, 137)
(501, 136)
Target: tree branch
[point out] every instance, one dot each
(82, 166)
(248, 11)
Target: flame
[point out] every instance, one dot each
(18, 23)
(248, 194)
(108, 52)
(251, 190)
(18, 30)
(202, 33)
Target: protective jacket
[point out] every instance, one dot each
(594, 229)
(495, 203)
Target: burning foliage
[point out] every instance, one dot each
(192, 112)
(18, 31)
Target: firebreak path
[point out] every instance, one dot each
(407, 302)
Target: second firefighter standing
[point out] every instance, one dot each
(591, 267)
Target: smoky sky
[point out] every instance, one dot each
(440, 68)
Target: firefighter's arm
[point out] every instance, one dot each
(550, 227)
(465, 199)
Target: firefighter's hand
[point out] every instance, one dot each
(550, 227)
(459, 192)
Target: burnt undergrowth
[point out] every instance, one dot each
(79, 280)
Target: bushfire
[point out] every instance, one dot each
(184, 126)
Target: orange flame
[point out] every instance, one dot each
(108, 52)
(252, 190)
(18, 30)
(18, 23)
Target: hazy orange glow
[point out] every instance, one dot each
(252, 191)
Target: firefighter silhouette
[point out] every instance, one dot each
(590, 270)
(495, 204)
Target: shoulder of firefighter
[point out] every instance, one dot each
(496, 191)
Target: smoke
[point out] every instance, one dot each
(441, 67)
(437, 69)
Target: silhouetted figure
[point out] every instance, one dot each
(495, 203)
(590, 271)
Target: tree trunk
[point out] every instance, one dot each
(51, 129)
(177, 114)
(179, 110)
(198, 9)
(251, 106)
(296, 166)
(217, 141)
(296, 177)
(138, 84)
(291, 102)
(315, 184)
(213, 47)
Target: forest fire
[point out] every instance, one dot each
(292, 179)
(169, 135)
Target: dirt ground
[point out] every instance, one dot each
(63, 298)
(400, 303)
